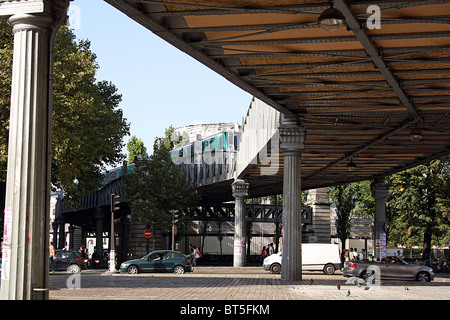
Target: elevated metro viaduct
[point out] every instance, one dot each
(372, 95)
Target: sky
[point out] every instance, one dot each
(159, 84)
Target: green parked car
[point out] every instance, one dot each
(158, 261)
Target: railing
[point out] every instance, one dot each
(254, 213)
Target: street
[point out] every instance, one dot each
(248, 283)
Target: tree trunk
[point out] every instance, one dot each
(426, 245)
(342, 250)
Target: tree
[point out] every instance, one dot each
(135, 148)
(88, 128)
(420, 198)
(6, 47)
(159, 186)
(344, 197)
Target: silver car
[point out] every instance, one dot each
(389, 268)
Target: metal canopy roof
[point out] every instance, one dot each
(359, 91)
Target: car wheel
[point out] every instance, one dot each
(73, 268)
(178, 270)
(133, 270)
(329, 268)
(275, 268)
(423, 277)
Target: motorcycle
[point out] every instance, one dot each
(439, 266)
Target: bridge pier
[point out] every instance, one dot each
(240, 192)
(380, 192)
(292, 136)
(26, 236)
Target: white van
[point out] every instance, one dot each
(315, 256)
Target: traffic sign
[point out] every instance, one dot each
(147, 233)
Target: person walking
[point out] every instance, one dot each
(195, 256)
(52, 255)
(270, 249)
(355, 254)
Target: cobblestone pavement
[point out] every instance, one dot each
(249, 283)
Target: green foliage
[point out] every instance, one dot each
(135, 148)
(88, 128)
(159, 186)
(345, 198)
(6, 45)
(418, 203)
(417, 206)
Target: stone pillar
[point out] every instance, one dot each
(62, 234)
(55, 233)
(319, 201)
(25, 249)
(125, 238)
(380, 192)
(240, 192)
(291, 145)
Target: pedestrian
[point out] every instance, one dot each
(263, 252)
(52, 255)
(82, 252)
(350, 254)
(271, 249)
(346, 255)
(195, 256)
(355, 254)
(362, 255)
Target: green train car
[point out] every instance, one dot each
(224, 141)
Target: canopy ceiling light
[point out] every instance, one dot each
(415, 135)
(331, 19)
(351, 166)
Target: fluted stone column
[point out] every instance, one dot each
(380, 192)
(26, 236)
(292, 136)
(240, 192)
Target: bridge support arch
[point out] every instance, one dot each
(240, 192)
(292, 136)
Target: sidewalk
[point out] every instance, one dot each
(248, 283)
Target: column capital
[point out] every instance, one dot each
(379, 189)
(99, 214)
(292, 136)
(35, 14)
(240, 188)
(10, 8)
